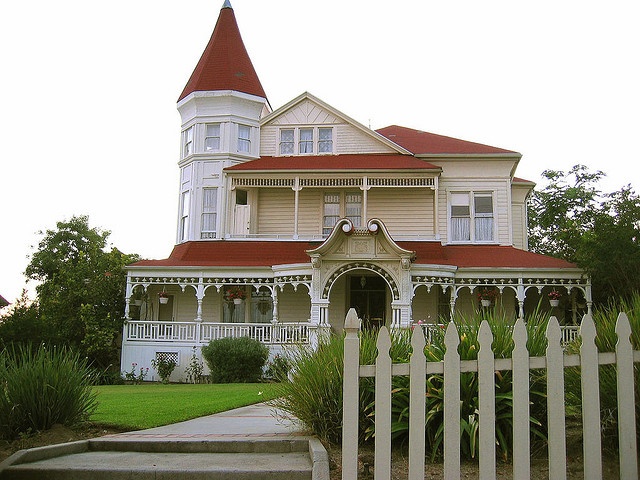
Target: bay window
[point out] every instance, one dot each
(187, 142)
(184, 216)
(244, 139)
(212, 137)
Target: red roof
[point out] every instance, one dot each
(336, 162)
(225, 63)
(419, 142)
(230, 253)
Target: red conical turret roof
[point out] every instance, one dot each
(225, 63)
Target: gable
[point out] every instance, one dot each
(349, 136)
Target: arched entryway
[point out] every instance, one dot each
(368, 294)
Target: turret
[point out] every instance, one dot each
(220, 106)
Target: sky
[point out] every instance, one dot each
(89, 126)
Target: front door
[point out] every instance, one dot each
(368, 295)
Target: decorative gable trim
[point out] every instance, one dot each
(338, 117)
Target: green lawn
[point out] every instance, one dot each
(149, 405)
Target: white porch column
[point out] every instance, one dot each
(127, 298)
(365, 199)
(296, 206)
(520, 296)
(200, 298)
(274, 298)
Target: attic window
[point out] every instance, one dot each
(305, 140)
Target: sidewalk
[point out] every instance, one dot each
(259, 420)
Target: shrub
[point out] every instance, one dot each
(194, 369)
(164, 365)
(43, 387)
(278, 368)
(235, 360)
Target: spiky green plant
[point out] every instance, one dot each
(605, 319)
(42, 387)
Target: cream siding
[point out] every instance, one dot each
(352, 140)
(406, 211)
(275, 211)
(310, 212)
(294, 306)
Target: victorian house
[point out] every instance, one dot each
(289, 217)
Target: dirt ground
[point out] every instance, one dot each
(469, 470)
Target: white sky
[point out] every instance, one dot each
(89, 123)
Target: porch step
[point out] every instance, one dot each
(173, 459)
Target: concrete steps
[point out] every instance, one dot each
(297, 458)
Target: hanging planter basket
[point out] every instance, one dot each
(163, 297)
(554, 303)
(237, 301)
(485, 302)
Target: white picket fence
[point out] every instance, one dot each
(486, 365)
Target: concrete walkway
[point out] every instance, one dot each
(258, 420)
(255, 442)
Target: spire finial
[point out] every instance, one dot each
(227, 4)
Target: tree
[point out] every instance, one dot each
(21, 323)
(81, 288)
(572, 219)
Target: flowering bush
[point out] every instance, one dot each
(136, 378)
(554, 295)
(235, 292)
(487, 293)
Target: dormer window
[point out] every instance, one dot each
(306, 140)
(325, 140)
(187, 142)
(212, 137)
(287, 141)
(244, 139)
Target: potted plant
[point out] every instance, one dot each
(486, 296)
(236, 293)
(163, 297)
(554, 298)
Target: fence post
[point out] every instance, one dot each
(520, 388)
(626, 415)
(487, 403)
(590, 381)
(350, 396)
(382, 466)
(557, 444)
(417, 405)
(451, 404)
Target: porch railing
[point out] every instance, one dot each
(203, 332)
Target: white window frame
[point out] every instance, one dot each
(209, 210)
(208, 135)
(301, 146)
(185, 200)
(474, 219)
(343, 207)
(244, 141)
(187, 142)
